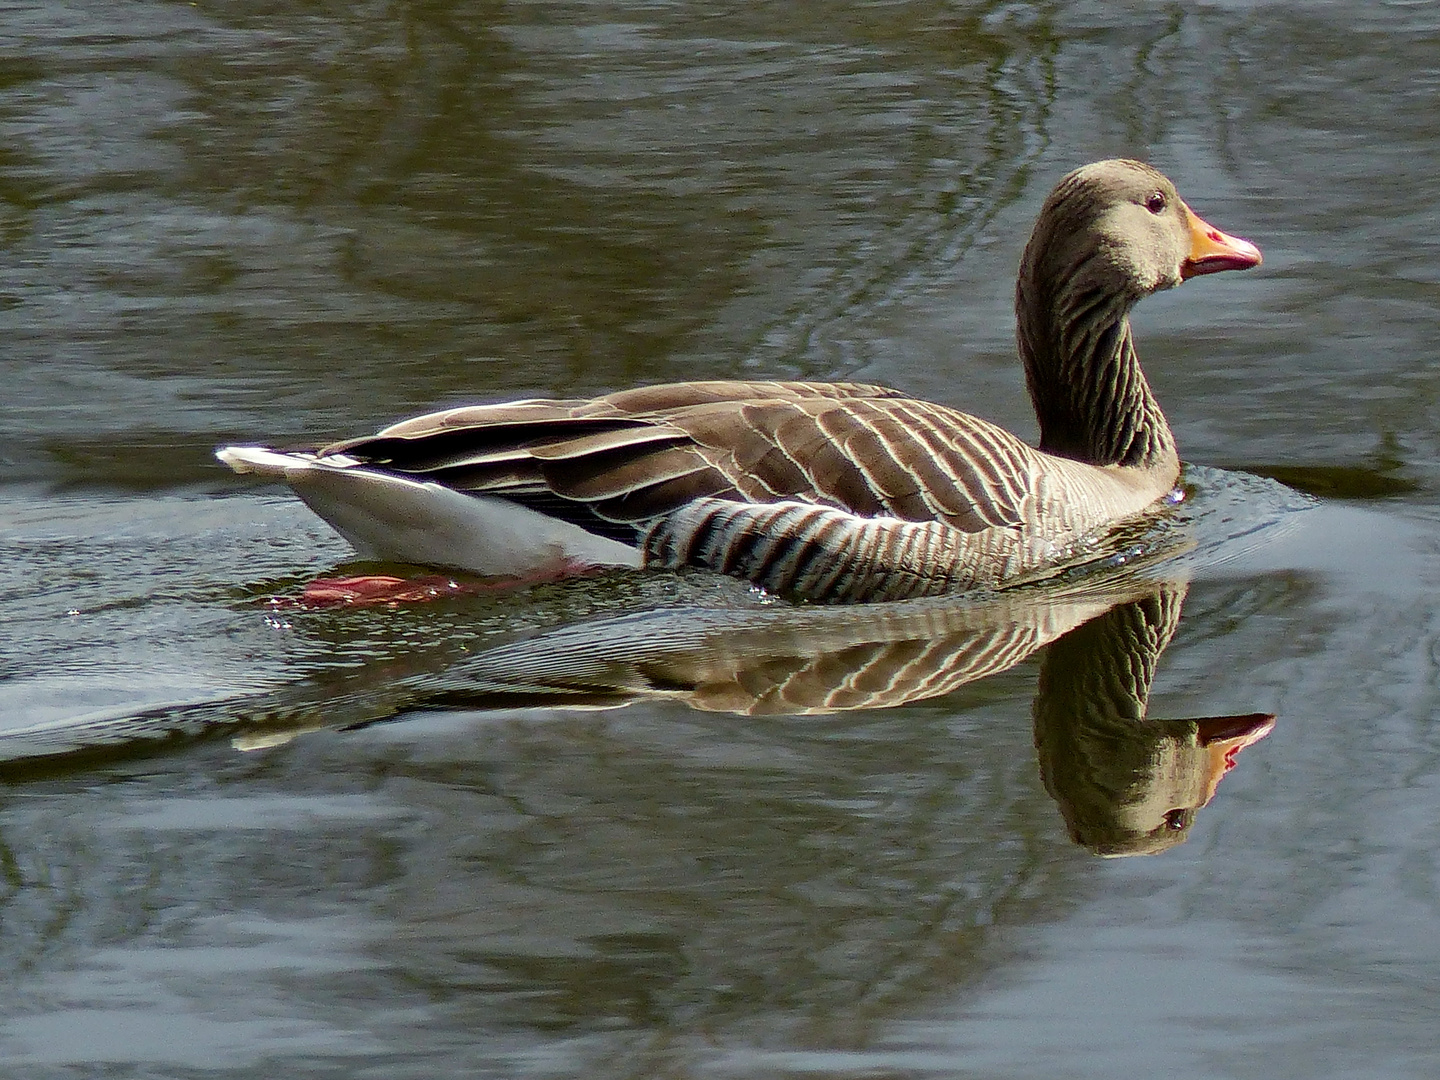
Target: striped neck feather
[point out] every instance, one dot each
(1090, 396)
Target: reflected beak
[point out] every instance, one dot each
(1212, 250)
(1225, 736)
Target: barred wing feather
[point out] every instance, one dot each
(866, 450)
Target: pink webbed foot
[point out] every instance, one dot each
(372, 589)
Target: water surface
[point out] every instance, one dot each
(223, 221)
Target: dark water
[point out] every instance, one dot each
(295, 222)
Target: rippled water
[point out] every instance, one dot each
(223, 221)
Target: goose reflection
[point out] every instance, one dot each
(1125, 783)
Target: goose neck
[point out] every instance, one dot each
(1090, 396)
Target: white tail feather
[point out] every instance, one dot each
(396, 519)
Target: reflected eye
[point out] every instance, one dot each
(1156, 202)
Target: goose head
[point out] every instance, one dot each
(1121, 227)
(1110, 234)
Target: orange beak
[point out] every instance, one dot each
(1225, 736)
(1212, 250)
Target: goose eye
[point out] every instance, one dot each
(1179, 818)
(1156, 202)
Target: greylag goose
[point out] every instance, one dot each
(820, 491)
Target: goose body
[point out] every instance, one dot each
(826, 491)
